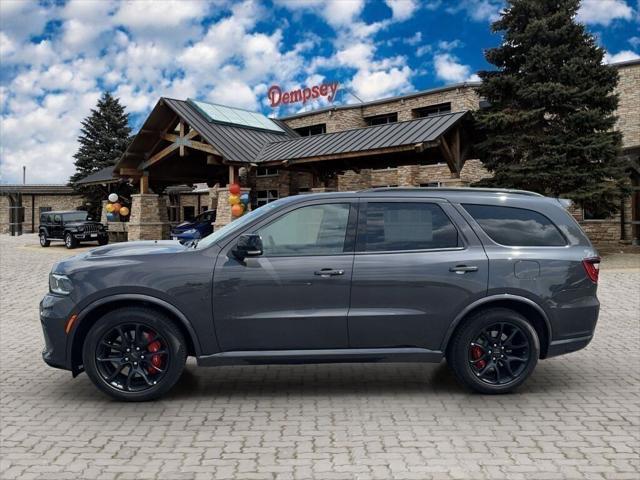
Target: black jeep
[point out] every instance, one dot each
(72, 227)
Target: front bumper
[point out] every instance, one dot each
(88, 237)
(55, 310)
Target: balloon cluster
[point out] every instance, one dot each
(237, 201)
(114, 208)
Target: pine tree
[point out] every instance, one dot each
(103, 139)
(550, 124)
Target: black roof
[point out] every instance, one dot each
(377, 137)
(104, 175)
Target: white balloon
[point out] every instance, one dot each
(113, 197)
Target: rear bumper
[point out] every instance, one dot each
(568, 345)
(54, 312)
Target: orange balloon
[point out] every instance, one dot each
(237, 210)
(124, 211)
(116, 207)
(234, 188)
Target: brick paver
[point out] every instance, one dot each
(577, 417)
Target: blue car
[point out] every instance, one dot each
(199, 227)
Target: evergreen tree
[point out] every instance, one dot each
(103, 139)
(550, 124)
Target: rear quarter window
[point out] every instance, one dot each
(516, 227)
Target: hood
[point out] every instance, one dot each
(147, 247)
(81, 223)
(185, 226)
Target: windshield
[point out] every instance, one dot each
(241, 222)
(75, 217)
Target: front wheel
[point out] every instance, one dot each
(70, 241)
(103, 240)
(134, 354)
(44, 241)
(494, 351)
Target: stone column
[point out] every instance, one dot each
(148, 218)
(408, 175)
(4, 214)
(223, 209)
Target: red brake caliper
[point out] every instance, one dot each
(476, 353)
(156, 360)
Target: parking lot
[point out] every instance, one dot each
(577, 417)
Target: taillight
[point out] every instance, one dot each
(592, 267)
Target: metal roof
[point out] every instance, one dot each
(377, 137)
(104, 175)
(36, 189)
(235, 143)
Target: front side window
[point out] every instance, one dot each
(407, 226)
(310, 230)
(516, 227)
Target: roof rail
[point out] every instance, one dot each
(452, 189)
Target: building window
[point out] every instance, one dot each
(382, 119)
(431, 184)
(265, 196)
(266, 172)
(318, 129)
(384, 186)
(593, 211)
(188, 213)
(432, 110)
(44, 209)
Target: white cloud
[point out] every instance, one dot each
(415, 39)
(402, 9)
(449, 69)
(370, 85)
(338, 13)
(478, 10)
(603, 12)
(623, 56)
(635, 42)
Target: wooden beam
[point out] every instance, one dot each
(129, 172)
(144, 183)
(181, 143)
(159, 156)
(456, 149)
(448, 155)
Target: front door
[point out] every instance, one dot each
(296, 294)
(414, 270)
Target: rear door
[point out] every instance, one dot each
(417, 265)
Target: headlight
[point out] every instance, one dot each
(60, 284)
(81, 229)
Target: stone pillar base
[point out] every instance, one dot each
(149, 220)
(223, 209)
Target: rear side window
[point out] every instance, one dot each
(517, 227)
(407, 226)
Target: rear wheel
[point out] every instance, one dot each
(70, 241)
(134, 354)
(44, 241)
(494, 351)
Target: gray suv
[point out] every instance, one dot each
(491, 280)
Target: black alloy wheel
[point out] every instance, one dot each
(132, 357)
(134, 354)
(499, 353)
(494, 351)
(44, 241)
(70, 241)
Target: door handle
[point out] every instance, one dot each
(462, 269)
(328, 272)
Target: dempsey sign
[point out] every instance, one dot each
(278, 97)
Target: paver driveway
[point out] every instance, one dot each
(577, 417)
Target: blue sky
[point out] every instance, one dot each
(58, 56)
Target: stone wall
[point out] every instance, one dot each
(148, 219)
(55, 202)
(629, 104)
(460, 97)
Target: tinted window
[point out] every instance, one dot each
(311, 230)
(516, 226)
(407, 226)
(75, 216)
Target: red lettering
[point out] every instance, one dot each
(306, 94)
(285, 97)
(274, 95)
(323, 90)
(315, 92)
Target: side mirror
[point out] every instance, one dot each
(248, 245)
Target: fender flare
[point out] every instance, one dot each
(491, 299)
(132, 296)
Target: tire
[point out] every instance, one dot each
(142, 382)
(70, 241)
(481, 366)
(103, 241)
(44, 241)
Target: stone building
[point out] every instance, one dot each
(420, 139)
